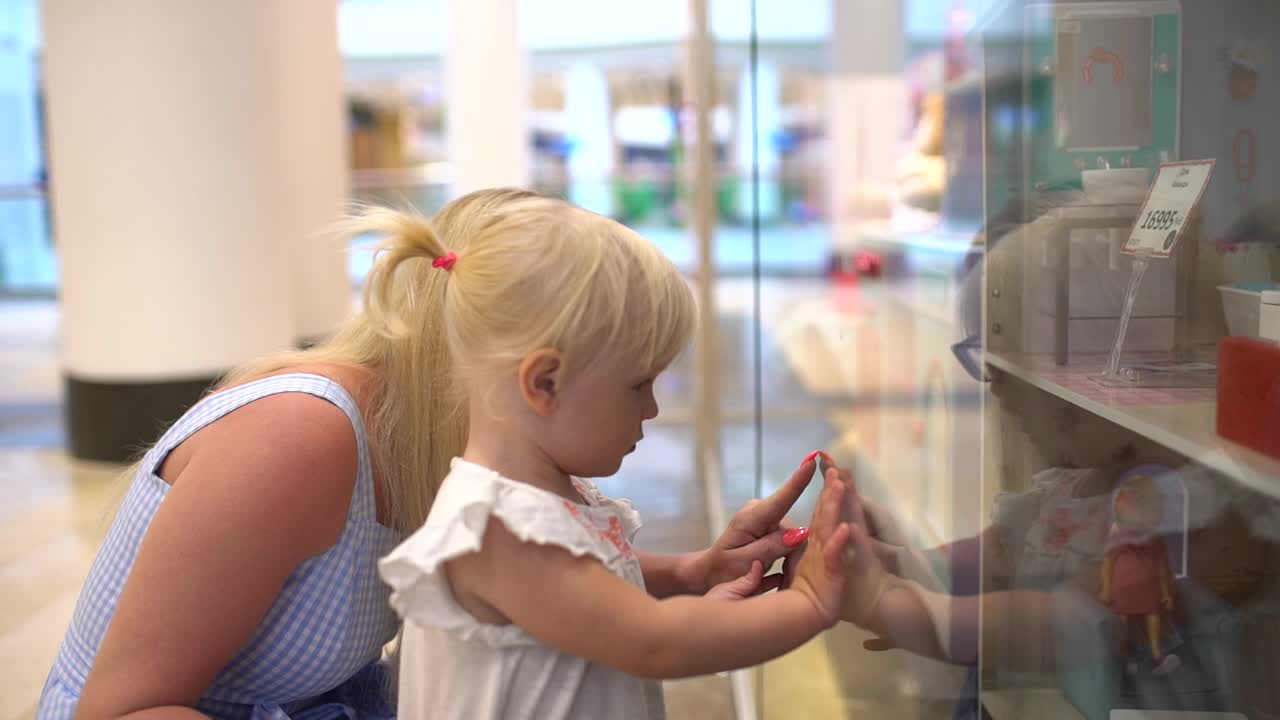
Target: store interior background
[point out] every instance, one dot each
(836, 282)
(609, 129)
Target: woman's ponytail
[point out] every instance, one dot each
(407, 237)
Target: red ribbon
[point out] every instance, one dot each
(445, 262)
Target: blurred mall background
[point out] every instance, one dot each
(822, 170)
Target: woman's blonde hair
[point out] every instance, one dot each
(531, 272)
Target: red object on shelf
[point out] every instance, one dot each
(869, 264)
(1249, 393)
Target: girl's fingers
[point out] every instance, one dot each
(828, 511)
(833, 551)
(856, 510)
(860, 545)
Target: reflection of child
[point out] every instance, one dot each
(522, 594)
(1136, 578)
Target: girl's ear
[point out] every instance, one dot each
(540, 378)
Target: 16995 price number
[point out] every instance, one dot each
(1161, 220)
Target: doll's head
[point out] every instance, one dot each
(1138, 503)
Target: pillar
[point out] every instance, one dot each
(587, 125)
(866, 106)
(486, 97)
(195, 148)
(699, 73)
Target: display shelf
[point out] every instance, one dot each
(1181, 419)
(913, 236)
(1040, 703)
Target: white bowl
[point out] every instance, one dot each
(1242, 309)
(1117, 185)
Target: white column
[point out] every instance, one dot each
(312, 147)
(184, 185)
(486, 97)
(866, 105)
(587, 123)
(759, 122)
(699, 73)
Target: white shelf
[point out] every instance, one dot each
(1039, 703)
(1187, 427)
(888, 234)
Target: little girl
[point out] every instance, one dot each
(522, 595)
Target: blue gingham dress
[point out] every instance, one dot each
(315, 655)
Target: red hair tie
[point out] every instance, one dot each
(445, 262)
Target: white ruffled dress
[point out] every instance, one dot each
(453, 666)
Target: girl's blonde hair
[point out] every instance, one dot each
(531, 272)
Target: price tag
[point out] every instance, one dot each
(1175, 193)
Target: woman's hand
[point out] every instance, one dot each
(759, 531)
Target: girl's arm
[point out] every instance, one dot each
(579, 607)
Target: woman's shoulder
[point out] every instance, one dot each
(283, 450)
(284, 427)
(357, 381)
(301, 427)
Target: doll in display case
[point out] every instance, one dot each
(1113, 529)
(1136, 578)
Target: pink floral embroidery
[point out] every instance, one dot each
(615, 535)
(1059, 530)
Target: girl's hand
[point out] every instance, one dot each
(868, 579)
(822, 573)
(875, 541)
(749, 585)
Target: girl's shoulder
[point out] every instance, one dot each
(472, 494)
(469, 498)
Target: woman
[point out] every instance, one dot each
(238, 579)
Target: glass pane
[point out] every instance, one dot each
(861, 337)
(985, 164)
(1077, 442)
(1130, 489)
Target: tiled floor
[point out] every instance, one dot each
(53, 512)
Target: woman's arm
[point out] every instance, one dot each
(267, 487)
(670, 574)
(169, 712)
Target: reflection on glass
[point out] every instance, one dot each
(1081, 550)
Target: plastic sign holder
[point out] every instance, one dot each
(1161, 223)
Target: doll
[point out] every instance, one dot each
(1137, 582)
